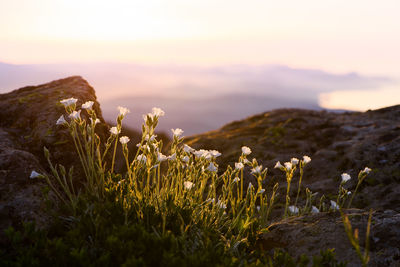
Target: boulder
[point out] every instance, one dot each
(28, 123)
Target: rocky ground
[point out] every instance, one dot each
(28, 123)
(337, 143)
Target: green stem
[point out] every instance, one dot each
(298, 190)
(271, 201)
(241, 184)
(289, 179)
(79, 154)
(352, 197)
(158, 178)
(115, 150)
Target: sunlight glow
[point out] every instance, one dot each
(340, 36)
(361, 100)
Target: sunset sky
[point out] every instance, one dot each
(336, 36)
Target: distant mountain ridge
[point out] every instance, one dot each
(196, 99)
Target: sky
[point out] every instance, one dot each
(337, 36)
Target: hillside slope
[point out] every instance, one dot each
(337, 143)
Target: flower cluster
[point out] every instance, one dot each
(186, 177)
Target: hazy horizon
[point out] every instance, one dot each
(198, 98)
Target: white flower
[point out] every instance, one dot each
(158, 112)
(345, 177)
(278, 165)
(75, 115)
(150, 138)
(61, 120)
(215, 153)
(314, 209)
(148, 115)
(349, 193)
(172, 157)
(141, 158)
(177, 132)
(203, 153)
(261, 191)
(161, 157)
(187, 149)
(210, 200)
(294, 161)
(239, 165)
(293, 210)
(245, 161)
(87, 105)
(96, 121)
(114, 130)
(334, 205)
(185, 159)
(257, 169)
(124, 140)
(188, 185)
(207, 155)
(258, 208)
(250, 186)
(288, 166)
(212, 167)
(237, 179)
(306, 159)
(366, 170)
(34, 175)
(246, 150)
(68, 102)
(198, 153)
(221, 204)
(123, 111)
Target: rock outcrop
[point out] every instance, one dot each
(28, 123)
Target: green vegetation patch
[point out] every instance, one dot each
(178, 209)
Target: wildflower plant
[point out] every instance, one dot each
(186, 177)
(361, 176)
(343, 193)
(303, 163)
(289, 168)
(354, 238)
(186, 186)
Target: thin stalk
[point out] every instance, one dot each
(271, 201)
(115, 150)
(298, 189)
(158, 178)
(352, 196)
(241, 183)
(289, 179)
(79, 154)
